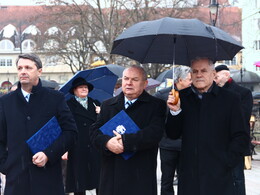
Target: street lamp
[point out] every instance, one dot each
(213, 11)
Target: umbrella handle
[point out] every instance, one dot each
(176, 96)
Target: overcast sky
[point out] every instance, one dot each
(17, 2)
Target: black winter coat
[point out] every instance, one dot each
(83, 166)
(137, 175)
(214, 139)
(19, 120)
(246, 103)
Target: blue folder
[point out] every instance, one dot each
(121, 123)
(44, 137)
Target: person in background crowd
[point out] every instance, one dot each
(83, 165)
(22, 113)
(223, 79)
(170, 149)
(137, 175)
(214, 138)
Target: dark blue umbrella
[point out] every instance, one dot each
(116, 69)
(101, 78)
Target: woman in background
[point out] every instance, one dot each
(83, 165)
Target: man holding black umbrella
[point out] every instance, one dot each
(214, 138)
(170, 149)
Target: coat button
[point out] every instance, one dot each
(28, 118)
(85, 124)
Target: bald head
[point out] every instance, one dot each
(222, 77)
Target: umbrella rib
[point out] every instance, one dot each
(216, 43)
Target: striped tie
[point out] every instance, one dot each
(128, 104)
(27, 97)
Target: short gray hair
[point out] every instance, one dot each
(211, 62)
(181, 72)
(31, 56)
(140, 69)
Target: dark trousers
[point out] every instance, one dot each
(239, 178)
(169, 164)
(83, 193)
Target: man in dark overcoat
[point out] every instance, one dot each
(224, 79)
(22, 113)
(214, 138)
(137, 175)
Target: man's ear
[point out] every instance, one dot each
(146, 83)
(39, 72)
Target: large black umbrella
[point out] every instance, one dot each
(174, 41)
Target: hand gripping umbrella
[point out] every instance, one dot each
(172, 40)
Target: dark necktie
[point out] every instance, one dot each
(128, 104)
(27, 97)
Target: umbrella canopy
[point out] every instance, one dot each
(101, 78)
(116, 69)
(247, 77)
(174, 41)
(164, 75)
(50, 84)
(257, 64)
(152, 83)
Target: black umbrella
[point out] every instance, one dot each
(246, 77)
(175, 41)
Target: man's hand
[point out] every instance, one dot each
(171, 98)
(39, 159)
(97, 109)
(115, 144)
(65, 156)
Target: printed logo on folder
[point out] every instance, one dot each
(43, 138)
(122, 124)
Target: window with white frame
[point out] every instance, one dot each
(28, 45)
(6, 62)
(6, 45)
(231, 62)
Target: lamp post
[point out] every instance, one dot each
(213, 11)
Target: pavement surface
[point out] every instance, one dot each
(252, 177)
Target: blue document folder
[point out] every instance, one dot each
(121, 123)
(44, 137)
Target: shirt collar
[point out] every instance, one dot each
(133, 101)
(25, 93)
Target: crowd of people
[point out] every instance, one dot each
(202, 138)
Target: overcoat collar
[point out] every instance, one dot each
(120, 102)
(35, 89)
(215, 90)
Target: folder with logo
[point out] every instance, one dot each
(44, 137)
(122, 124)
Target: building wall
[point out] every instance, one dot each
(250, 33)
(58, 72)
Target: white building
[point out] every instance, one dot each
(251, 34)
